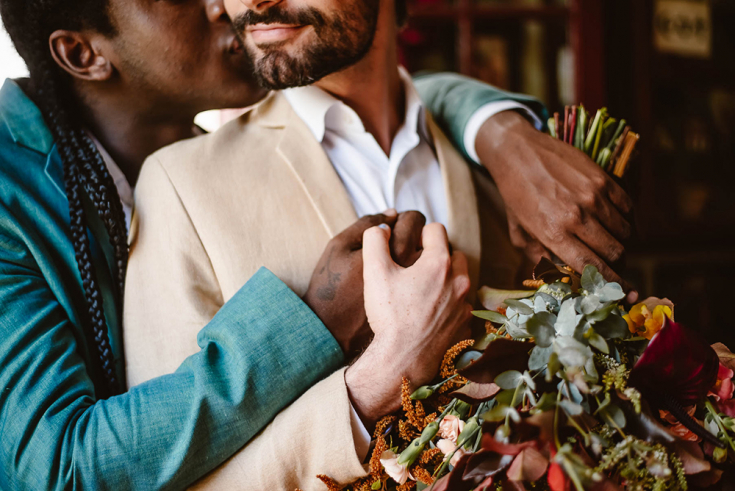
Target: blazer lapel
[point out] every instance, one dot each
(310, 165)
(464, 221)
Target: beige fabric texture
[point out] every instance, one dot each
(261, 192)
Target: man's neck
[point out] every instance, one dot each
(130, 134)
(373, 87)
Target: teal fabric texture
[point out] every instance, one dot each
(262, 350)
(452, 99)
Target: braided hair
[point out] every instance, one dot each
(30, 24)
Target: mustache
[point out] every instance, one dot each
(307, 16)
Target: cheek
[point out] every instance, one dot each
(234, 7)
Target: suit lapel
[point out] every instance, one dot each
(307, 160)
(464, 221)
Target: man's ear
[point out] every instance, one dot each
(80, 56)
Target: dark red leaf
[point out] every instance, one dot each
(677, 362)
(727, 358)
(550, 272)
(474, 393)
(491, 444)
(529, 465)
(500, 356)
(483, 464)
(453, 481)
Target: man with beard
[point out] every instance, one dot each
(211, 211)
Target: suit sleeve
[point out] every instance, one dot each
(165, 433)
(311, 437)
(453, 99)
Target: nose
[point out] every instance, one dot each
(260, 4)
(216, 10)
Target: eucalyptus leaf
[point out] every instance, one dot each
(613, 327)
(467, 359)
(614, 413)
(571, 408)
(540, 357)
(611, 292)
(601, 313)
(592, 280)
(508, 380)
(491, 316)
(588, 304)
(541, 327)
(597, 341)
(554, 366)
(568, 319)
(571, 352)
(519, 307)
(515, 331)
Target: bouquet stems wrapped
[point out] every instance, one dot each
(607, 141)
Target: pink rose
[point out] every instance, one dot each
(450, 428)
(399, 473)
(723, 389)
(447, 447)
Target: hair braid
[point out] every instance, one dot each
(30, 23)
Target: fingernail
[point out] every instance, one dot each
(384, 226)
(390, 212)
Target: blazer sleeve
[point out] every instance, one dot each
(452, 99)
(311, 437)
(163, 434)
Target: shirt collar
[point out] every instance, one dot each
(321, 110)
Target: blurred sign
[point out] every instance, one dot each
(683, 27)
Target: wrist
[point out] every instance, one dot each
(498, 136)
(374, 385)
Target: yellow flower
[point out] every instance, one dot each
(643, 322)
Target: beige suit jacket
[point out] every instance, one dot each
(261, 192)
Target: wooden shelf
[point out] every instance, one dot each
(489, 12)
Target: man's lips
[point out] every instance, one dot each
(270, 33)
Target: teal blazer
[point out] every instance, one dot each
(262, 350)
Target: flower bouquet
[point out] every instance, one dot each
(567, 390)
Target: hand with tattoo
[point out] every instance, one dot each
(335, 292)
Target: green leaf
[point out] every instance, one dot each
(379, 485)
(519, 307)
(539, 357)
(546, 402)
(611, 292)
(515, 331)
(571, 352)
(592, 280)
(498, 413)
(490, 315)
(568, 319)
(615, 413)
(588, 304)
(571, 408)
(541, 327)
(493, 299)
(614, 327)
(602, 313)
(508, 380)
(506, 397)
(597, 341)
